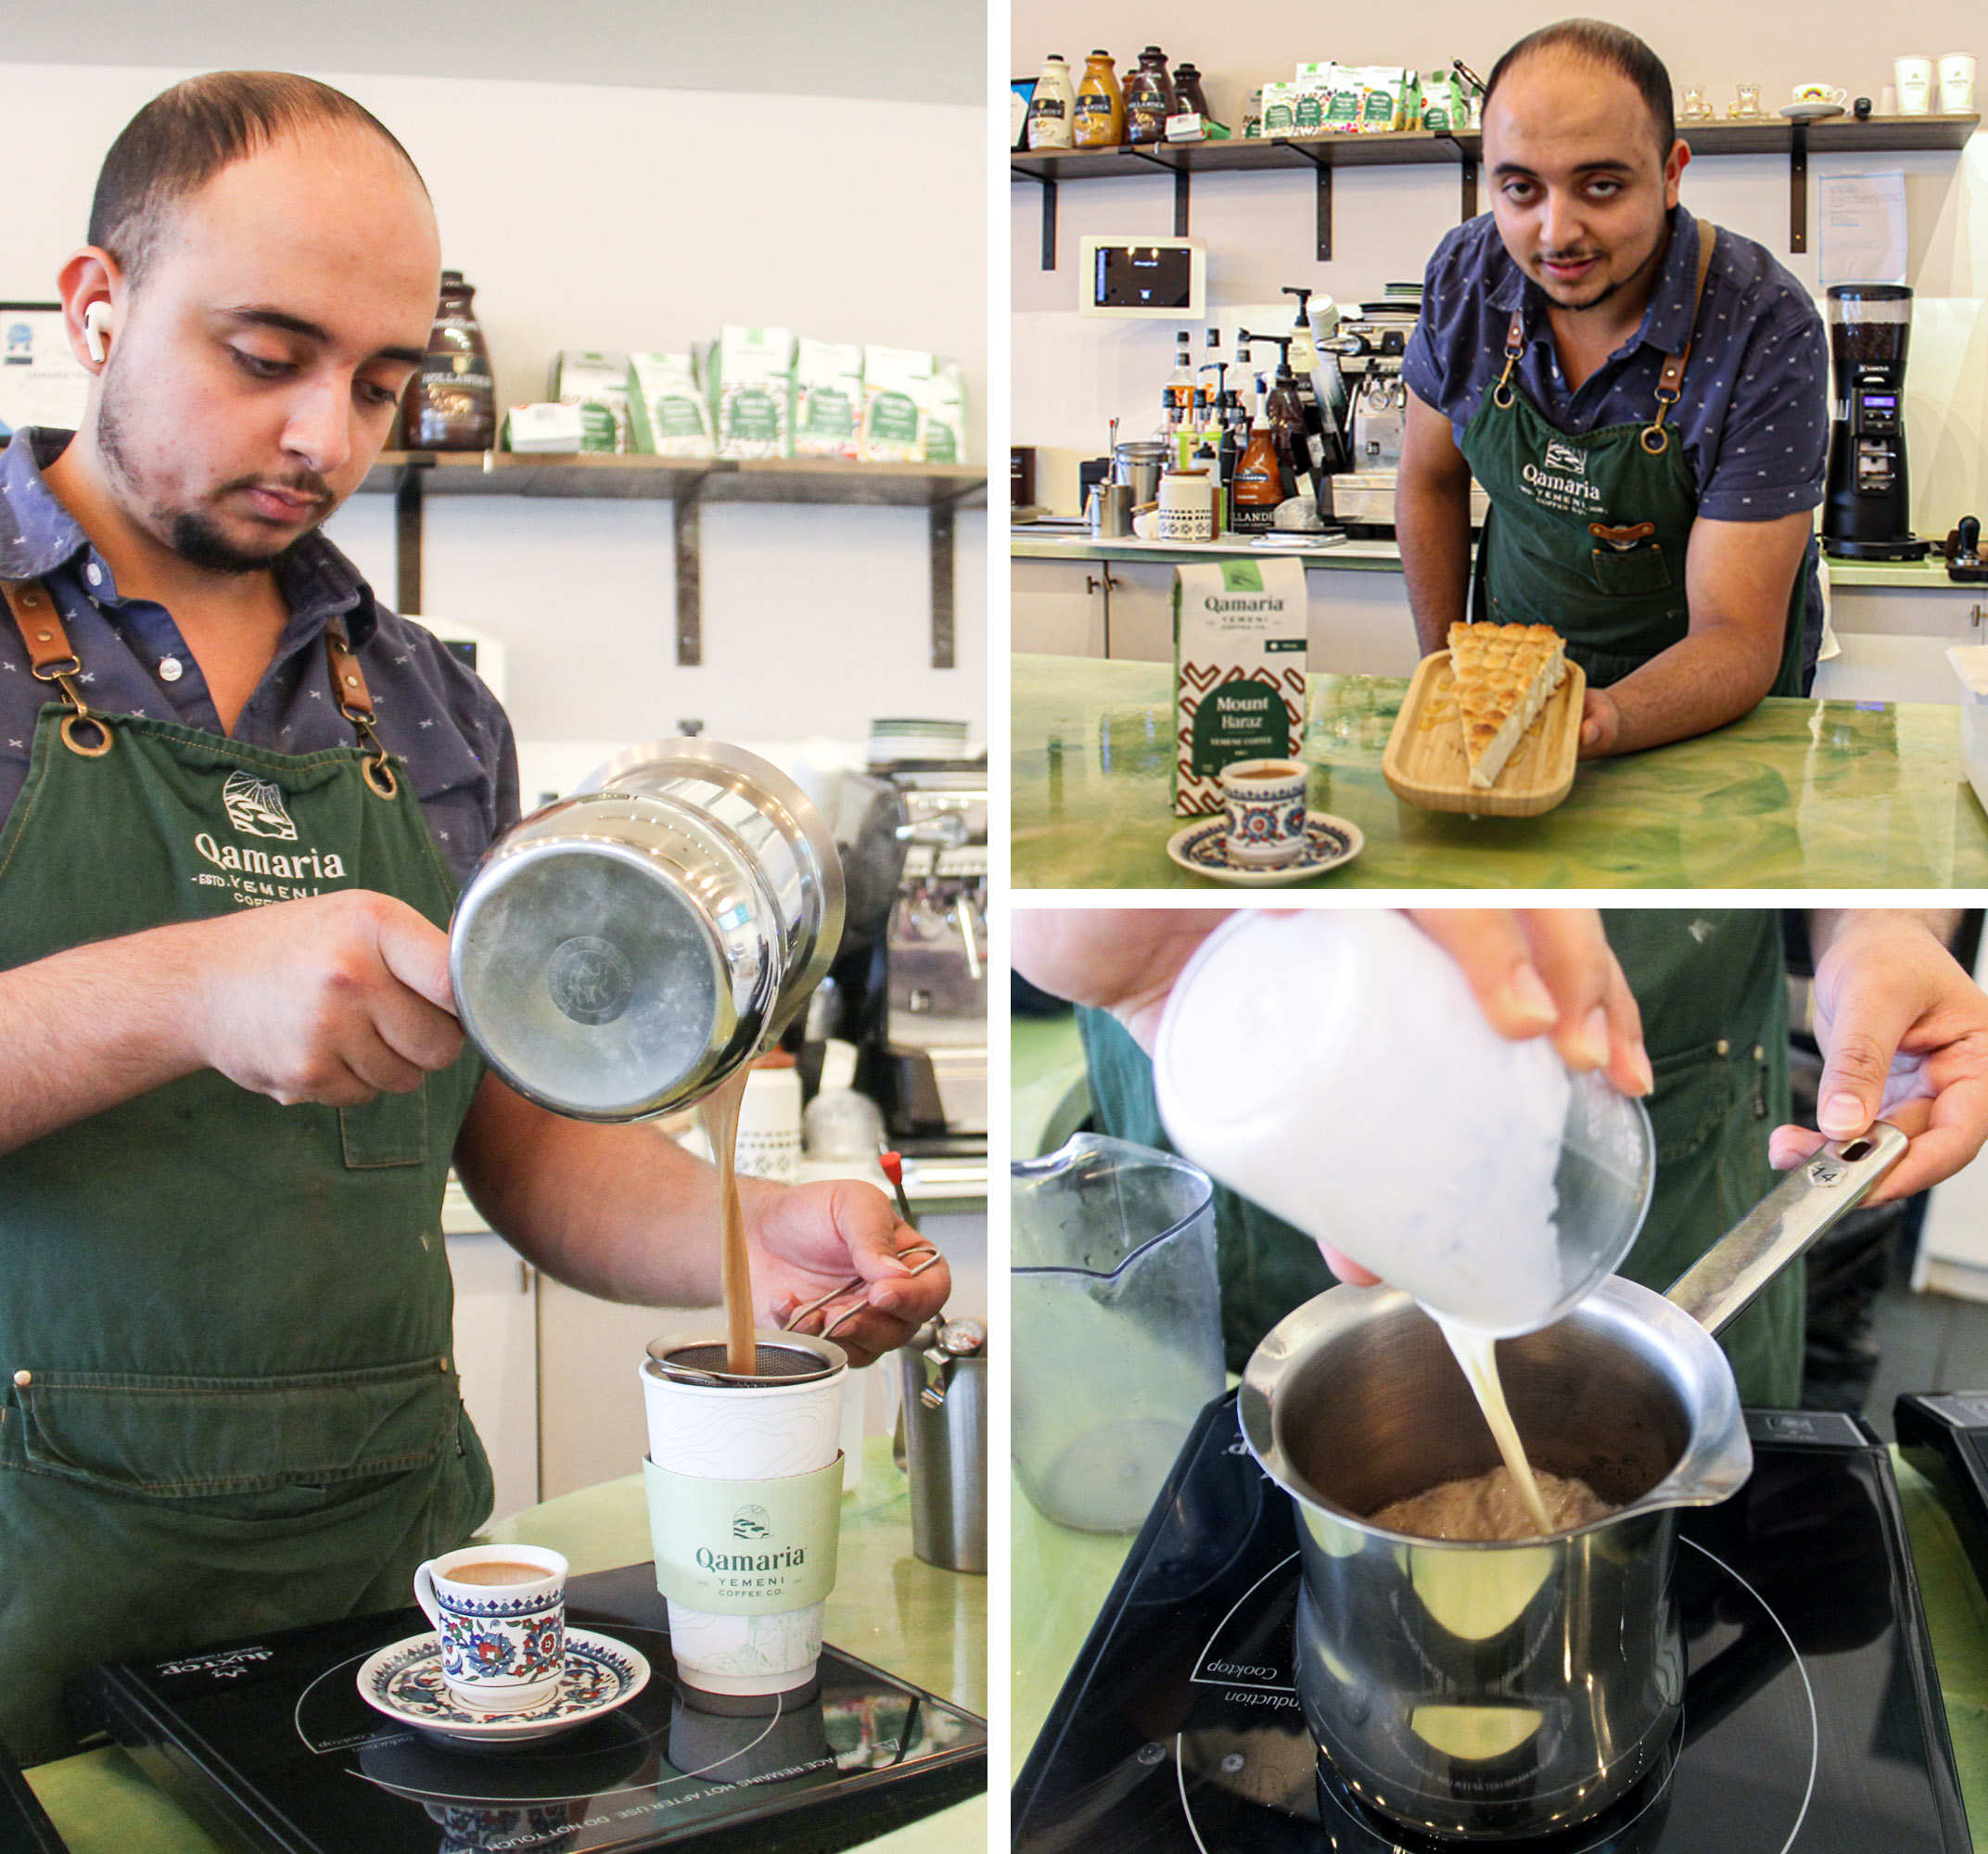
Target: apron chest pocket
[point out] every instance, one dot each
(389, 1130)
(1632, 574)
(185, 1437)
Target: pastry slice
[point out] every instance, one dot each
(1504, 674)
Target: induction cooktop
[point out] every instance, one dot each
(1812, 1716)
(269, 1745)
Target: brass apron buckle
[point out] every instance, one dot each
(64, 677)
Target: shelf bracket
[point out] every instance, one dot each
(687, 511)
(1181, 178)
(942, 585)
(1798, 188)
(1048, 220)
(1324, 195)
(407, 540)
(1470, 189)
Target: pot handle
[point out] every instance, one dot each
(1723, 1281)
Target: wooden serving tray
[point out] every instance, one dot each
(1425, 762)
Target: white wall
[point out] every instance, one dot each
(1071, 375)
(596, 217)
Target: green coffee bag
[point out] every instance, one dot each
(828, 398)
(667, 414)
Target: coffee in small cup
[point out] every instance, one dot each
(1265, 800)
(498, 1570)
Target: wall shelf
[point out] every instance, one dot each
(1050, 168)
(411, 476)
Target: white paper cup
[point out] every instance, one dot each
(1957, 84)
(762, 1430)
(1913, 78)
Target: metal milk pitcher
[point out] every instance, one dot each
(1499, 1690)
(619, 952)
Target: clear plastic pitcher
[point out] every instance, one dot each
(1117, 1325)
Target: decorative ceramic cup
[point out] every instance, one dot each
(1912, 77)
(744, 1484)
(502, 1632)
(1957, 84)
(1187, 506)
(1820, 92)
(1264, 799)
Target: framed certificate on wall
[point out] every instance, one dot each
(41, 380)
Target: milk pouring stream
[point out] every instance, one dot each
(1336, 1068)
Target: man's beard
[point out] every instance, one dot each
(192, 534)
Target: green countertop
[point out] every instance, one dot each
(1063, 1577)
(1798, 795)
(890, 1609)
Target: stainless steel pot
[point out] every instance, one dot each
(1495, 1691)
(619, 952)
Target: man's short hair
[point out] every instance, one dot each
(185, 135)
(1612, 47)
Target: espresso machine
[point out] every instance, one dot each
(909, 987)
(1368, 346)
(1866, 511)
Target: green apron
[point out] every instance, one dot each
(1589, 533)
(1715, 1013)
(230, 1405)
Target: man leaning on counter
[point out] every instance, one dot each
(1642, 397)
(225, 1131)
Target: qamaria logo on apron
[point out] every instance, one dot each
(255, 807)
(1560, 481)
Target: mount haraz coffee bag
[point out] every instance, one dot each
(1239, 672)
(828, 398)
(895, 383)
(597, 384)
(668, 413)
(752, 393)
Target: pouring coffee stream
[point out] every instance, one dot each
(719, 1112)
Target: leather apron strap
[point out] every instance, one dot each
(53, 658)
(1670, 382)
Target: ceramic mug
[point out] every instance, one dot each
(1957, 84)
(502, 1644)
(1187, 506)
(1820, 92)
(1264, 799)
(1912, 77)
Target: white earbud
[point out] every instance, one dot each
(95, 325)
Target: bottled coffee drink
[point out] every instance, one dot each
(452, 403)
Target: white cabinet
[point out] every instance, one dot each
(1894, 641)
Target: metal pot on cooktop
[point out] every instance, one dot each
(622, 950)
(1499, 1691)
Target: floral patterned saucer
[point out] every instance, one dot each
(404, 1681)
(1204, 848)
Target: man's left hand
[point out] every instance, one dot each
(808, 1239)
(1601, 723)
(1904, 1035)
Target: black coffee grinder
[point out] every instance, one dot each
(1866, 511)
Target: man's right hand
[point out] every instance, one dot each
(333, 1000)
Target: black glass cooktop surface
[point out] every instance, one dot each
(1811, 1718)
(269, 1745)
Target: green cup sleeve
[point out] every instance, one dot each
(745, 1547)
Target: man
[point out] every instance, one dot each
(224, 1337)
(1641, 396)
(1685, 1007)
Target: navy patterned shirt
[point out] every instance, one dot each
(1754, 418)
(430, 709)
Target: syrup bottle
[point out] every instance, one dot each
(451, 402)
(1099, 104)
